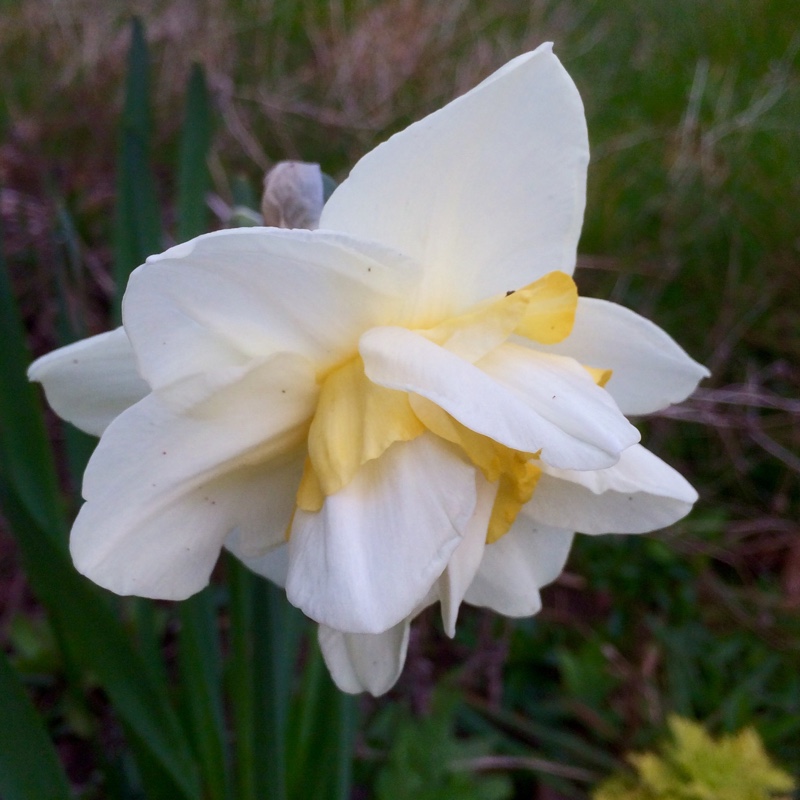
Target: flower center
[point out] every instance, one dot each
(357, 420)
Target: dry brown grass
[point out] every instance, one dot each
(357, 74)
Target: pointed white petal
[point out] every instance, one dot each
(92, 381)
(230, 297)
(516, 566)
(650, 370)
(365, 662)
(369, 557)
(487, 192)
(466, 558)
(164, 490)
(525, 400)
(638, 494)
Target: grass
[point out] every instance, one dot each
(691, 220)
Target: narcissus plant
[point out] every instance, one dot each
(408, 405)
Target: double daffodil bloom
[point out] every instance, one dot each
(409, 405)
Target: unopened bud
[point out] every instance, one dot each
(293, 195)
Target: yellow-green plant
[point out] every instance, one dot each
(694, 766)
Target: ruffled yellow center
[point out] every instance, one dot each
(357, 421)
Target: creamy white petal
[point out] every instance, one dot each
(365, 662)
(640, 493)
(164, 490)
(517, 565)
(92, 381)
(170, 552)
(253, 541)
(466, 558)
(650, 370)
(488, 192)
(523, 399)
(369, 557)
(272, 565)
(229, 297)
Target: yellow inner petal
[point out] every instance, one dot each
(310, 496)
(600, 376)
(550, 310)
(543, 311)
(356, 420)
(514, 470)
(513, 491)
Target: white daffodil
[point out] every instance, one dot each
(408, 405)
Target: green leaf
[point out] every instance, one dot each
(33, 644)
(157, 783)
(70, 283)
(241, 679)
(550, 738)
(243, 194)
(201, 675)
(96, 640)
(29, 765)
(25, 455)
(283, 749)
(343, 739)
(137, 231)
(193, 176)
(321, 736)
(427, 761)
(148, 633)
(80, 613)
(274, 650)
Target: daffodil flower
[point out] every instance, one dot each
(409, 405)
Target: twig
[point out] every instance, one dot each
(529, 763)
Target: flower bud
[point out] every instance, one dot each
(293, 195)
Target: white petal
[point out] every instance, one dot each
(466, 558)
(92, 381)
(272, 565)
(253, 541)
(650, 370)
(566, 396)
(638, 494)
(368, 558)
(164, 490)
(365, 662)
(517, 565)
(487, 192)
(229, 297)
(523, 399)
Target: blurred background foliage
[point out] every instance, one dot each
(113, 144)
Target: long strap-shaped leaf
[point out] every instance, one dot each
(137, 231)
(200, 668)
(29, 766)
(194, 179)
(25, 457)
(85, 621)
